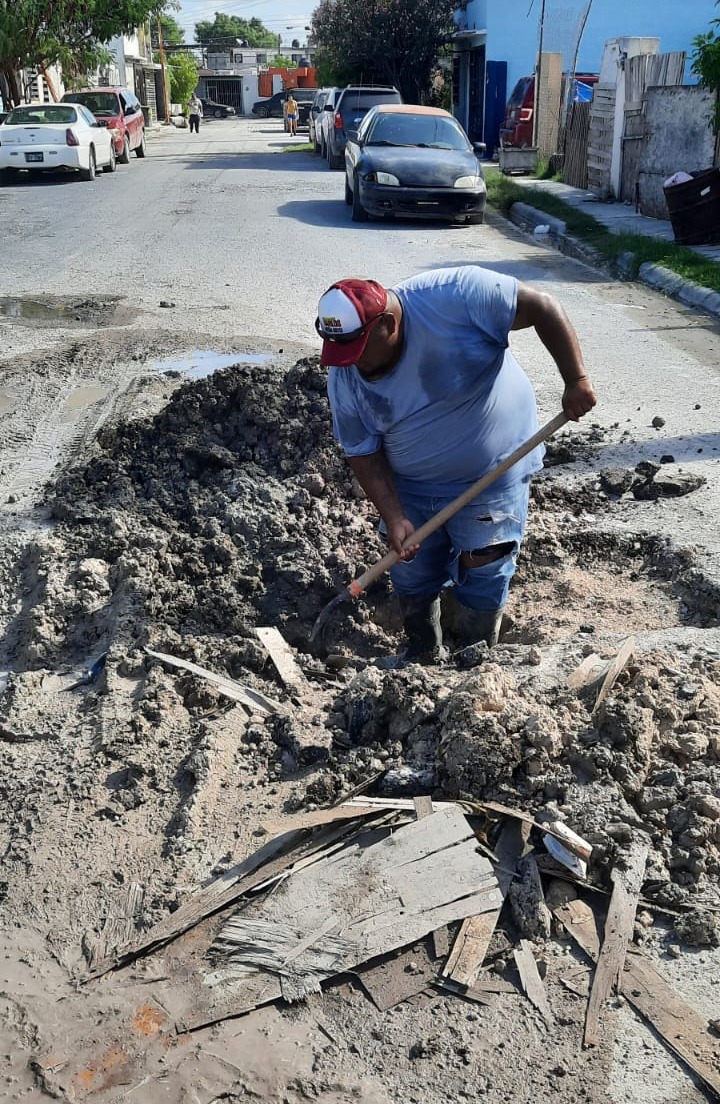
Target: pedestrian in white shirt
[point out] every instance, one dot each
(195, 110)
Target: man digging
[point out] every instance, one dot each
(426, 397)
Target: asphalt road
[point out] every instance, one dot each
(243, 237)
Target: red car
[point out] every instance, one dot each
(120, 111)
(517, 126)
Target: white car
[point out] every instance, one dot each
(40, 137)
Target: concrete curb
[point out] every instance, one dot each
(654, 275)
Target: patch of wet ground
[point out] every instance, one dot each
(54, 310)
(231, 508)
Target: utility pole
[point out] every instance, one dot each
(163, 70)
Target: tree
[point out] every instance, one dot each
(182, 73)
(280, 61)
(38, 33)
(172, 32)
(388, 41)
(228, 30)
(706, 65)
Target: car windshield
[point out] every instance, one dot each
(433, 131)
(100, 103)
(42, 115)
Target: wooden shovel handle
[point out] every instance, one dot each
(363, 582)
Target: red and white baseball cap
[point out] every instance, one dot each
(346, 313)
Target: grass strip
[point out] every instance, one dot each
(304, 147)
(503, 191)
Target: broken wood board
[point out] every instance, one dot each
(616, 666)
(644, 987)
(269, 861)
(562, 834)
(397, 979)
(590, 671)
(619, 927)
(253, 700)
(283, 659)
(472, 941)
(531, 981)
(469, 949)
(441, 937)
(365, 901)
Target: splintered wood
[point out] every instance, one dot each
(644, 987)
(619, 927)
(363, 902)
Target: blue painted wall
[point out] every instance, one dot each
(513, 27)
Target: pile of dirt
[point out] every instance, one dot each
(233, 508)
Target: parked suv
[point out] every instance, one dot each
(350, 107)
(120, 111)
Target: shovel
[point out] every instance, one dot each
(357, 586)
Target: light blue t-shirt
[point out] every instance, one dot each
(457, 402)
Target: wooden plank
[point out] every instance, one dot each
(531, 981)
(270, 860)
(643, 986)
(619, 927)
(472, 941)
(441, 939)
(282, 657)
(236, 691)
(382, 897)
(470, 947)
(423, 807)
(617, 665)
(398, 978)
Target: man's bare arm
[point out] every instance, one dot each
(553, 327)
(375, 476)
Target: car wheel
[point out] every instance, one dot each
(317, 148)
(359, 214)
(90, 172)
(5, 177)
(140, 150)
(336, 160)
(348, 192)
(112, 163)
(263, 112)
(124, 157)
(217, 113)
(476, 220)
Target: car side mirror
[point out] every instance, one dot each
(480, 149)
(328, 107)
(352, 135)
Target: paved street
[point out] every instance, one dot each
(242, 238)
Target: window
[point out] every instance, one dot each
(38, 115)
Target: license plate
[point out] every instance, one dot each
(34, 157)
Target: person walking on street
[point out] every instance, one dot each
(291, 108)
(426, 397)
(195, 111)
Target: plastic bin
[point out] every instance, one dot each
(694, 208)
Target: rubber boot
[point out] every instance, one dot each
(475, 626)
(421, 618)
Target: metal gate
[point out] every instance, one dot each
(225, 90)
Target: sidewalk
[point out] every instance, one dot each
(618, 218)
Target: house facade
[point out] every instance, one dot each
(496, 44)
(232, 76)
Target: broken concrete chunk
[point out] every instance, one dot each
(669, 485)
(616, 480)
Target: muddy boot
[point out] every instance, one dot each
(475, 626)
(421, 618)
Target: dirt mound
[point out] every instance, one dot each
(233, 508)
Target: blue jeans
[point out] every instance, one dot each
(493, 518)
